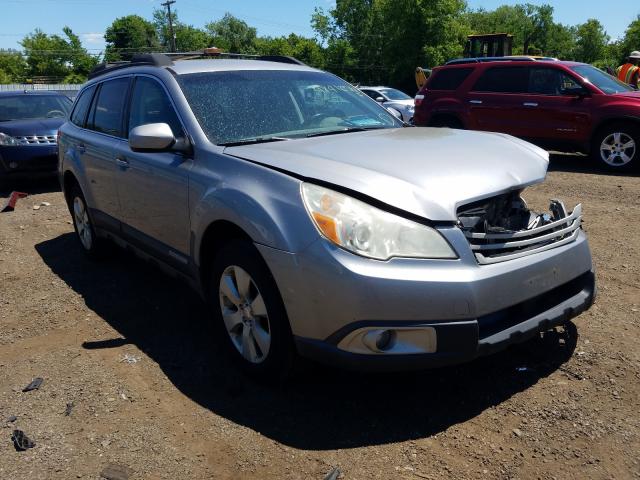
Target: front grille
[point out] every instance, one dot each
(37, 139)
(499, 247)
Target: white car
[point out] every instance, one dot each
(393, 100)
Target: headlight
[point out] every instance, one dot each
(8, 140)
(369, 231)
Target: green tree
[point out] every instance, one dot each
(188, 38)
(382, 41)
(12, 66)
(591, 41)
(232, 35)
(630, 41)
(307, 50)
(129, 35)
(56, 56)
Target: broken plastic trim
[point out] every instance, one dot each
(503, 228)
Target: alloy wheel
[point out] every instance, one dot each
(245, 314)
(617, 149)
(82, 223)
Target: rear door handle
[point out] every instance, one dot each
(476, 102)
(530, 104)
(81, 148)
(122, 162)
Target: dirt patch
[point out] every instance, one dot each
(133, 353)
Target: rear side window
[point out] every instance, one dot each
(82, 107)
(150, 104)
(503, 80)
(449, 78)
(106, 114)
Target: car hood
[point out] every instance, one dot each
(40, 126)
(635, 95)
(428, 172)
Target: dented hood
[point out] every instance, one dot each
(428, 172)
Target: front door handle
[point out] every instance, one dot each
(122, 162)
(476, 102)
(530, 104)
(81, 148)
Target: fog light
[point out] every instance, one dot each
(379, 340)
(13, 165)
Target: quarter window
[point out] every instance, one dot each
(449, 78)
(150, 104)
(107, 110)
(83, 103)
(503, 80)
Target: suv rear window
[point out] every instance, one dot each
(503, 80)
(82, 106)
(449, 78)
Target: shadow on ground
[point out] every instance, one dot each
(321, 408)
(32, 186)
(579, 163)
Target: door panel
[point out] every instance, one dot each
(153, 186)
(105, 120)
(153, 190)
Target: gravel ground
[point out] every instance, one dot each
(133, 354)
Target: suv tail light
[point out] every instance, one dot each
(418, 100)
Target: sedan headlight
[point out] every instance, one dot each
(8, 140)
(369, 231)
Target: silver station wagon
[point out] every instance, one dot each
(314, 222)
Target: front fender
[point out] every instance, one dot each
(264, 203)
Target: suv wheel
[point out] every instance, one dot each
(82, 224)
(247, 305)
(617, 146)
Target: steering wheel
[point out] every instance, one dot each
(55, 113)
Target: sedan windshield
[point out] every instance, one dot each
(602, 80)
(393, 94)
(28, 107)
(236, 107)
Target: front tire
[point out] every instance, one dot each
(617, 147)
(250, 313)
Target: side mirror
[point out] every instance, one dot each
(380, 99)
(578, 91)
(152, 137)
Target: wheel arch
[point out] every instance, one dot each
(217, 234)
(445, 118)
(606, 122)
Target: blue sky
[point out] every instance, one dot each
(89, 18)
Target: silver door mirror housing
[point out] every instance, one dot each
(151, 137)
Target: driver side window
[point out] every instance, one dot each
(150, 104)
(550, 81)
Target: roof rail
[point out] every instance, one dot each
(155, 59)
(522, 58)
(167, 59)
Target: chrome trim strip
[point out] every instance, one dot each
(502, 258)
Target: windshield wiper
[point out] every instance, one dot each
(251, 141)
(344, 130)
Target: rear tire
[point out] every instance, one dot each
(91, 244)
(446, 122)
(616, 147)
(249, 313)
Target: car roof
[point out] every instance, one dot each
(184, 67)
(492, 61)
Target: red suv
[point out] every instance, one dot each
(558, 105)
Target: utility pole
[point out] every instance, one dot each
(172, 38)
